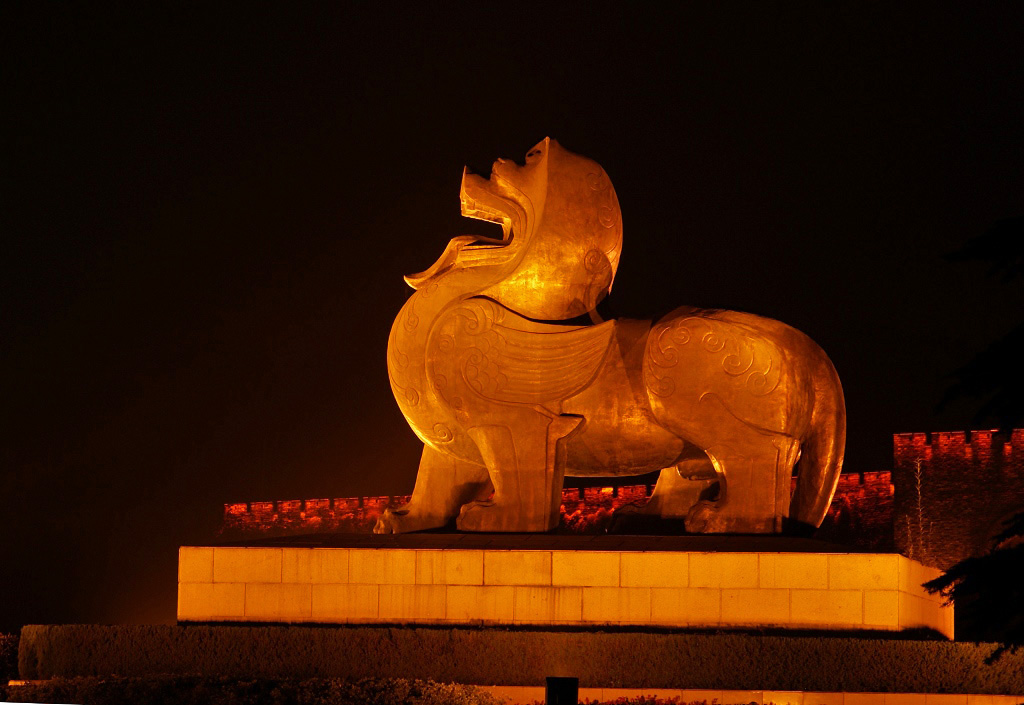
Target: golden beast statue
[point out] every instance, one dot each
(507, 401)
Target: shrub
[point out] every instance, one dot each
(988, 591)
(8, 657)
(184, 690)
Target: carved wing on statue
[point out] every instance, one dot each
(481, 347)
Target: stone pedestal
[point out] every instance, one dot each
(601, 581)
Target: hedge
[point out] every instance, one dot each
(492, 656)
(8, 657)
(185, 690)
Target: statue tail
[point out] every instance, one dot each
(821, 457)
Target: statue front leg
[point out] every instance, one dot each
(526, 463)
(443, 484)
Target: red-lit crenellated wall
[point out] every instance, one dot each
(304, 516)
(586, 510)
(954, 491)
(860, 513)
(967, 486)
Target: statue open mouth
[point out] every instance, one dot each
(482, 199)
(491, 200)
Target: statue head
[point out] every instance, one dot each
(561, 227)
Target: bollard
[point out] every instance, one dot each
(562, 691)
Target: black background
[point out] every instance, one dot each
(207, 213)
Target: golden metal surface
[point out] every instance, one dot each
(507, 400)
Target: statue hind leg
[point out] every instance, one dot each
(682, 485)
(754, 467)
(443, 484)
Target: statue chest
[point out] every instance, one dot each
(418, 396)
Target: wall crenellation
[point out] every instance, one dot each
(954, 491)
(990, 451)
(860, 511)
(283, 517)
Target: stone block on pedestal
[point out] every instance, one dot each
(636, 581)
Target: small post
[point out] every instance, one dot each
(562, 691)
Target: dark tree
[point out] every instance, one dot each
(989, 592)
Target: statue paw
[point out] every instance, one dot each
(699, 519)
(406, 519)
(493, 515)
(388, 523)
(477, 516)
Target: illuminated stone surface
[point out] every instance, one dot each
(412, 603)
(755, 606)
(517, 567)
(590, 568)
(881, 607)
(557, 586)
(195, 564)
(543, 605)
(826, 607)
(328, 565)
(290, 601)
(484, 603)
(211, 602)
(246, 565)
(686, 606)
(797, 570)
(508, 398)
(724, 570)
(616, 605)
(333, 603)
(397, 567)
(654, 570)
(880, 572)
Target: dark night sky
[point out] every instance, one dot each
(206, 216)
